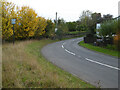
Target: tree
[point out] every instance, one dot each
(117, 37)
(71, 26)
(49, 30)
(28, 23)
(28, 20)
(85, 17)
(62, 28)
(86, 13)
(118, 30)
(7, 14)
(109, 28)
(107, 17)
(62, 25)
(40, 27)
(96, 17)
(85, 21)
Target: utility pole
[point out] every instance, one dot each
(56, 19)
(56, 23)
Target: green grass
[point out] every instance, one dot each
(63, 78)
(99, 49)
(76, 32)
(24, 66)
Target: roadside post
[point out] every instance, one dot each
(13, 21)
(56, 23)
(56, 29)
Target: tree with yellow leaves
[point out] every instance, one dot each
(27, 22)
(41, 25)
(7, 13)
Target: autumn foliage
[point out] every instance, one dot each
(117, 40)
(28, 23)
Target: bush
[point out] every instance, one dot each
(109, 28)
(111, 47)
(90, 38)
(117, 41)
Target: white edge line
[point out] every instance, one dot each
(102, 64)
(70, 52)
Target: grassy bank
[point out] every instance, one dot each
(76, 32)
(24, 66)
(99, 49)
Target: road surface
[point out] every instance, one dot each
(95, 68)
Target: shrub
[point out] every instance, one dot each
(117, 41)
(89, 38)
(111, 47)
(108, 28)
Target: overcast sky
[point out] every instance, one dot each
(69, 10)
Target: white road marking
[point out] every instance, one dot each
(70, 52)
(102, 64)
(91, 60)
(62, 46)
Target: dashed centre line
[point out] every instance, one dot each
(62, 46)
(109, 66)
(70, 52)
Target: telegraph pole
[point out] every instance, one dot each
(56, 23)
(56, 19)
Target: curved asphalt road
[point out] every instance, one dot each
(88, 65)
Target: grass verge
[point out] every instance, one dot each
(76, 32)
(99, 49)
(24, 66)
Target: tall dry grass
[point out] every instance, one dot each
(18, 66)
(24, 66)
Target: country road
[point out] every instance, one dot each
(95, 68)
